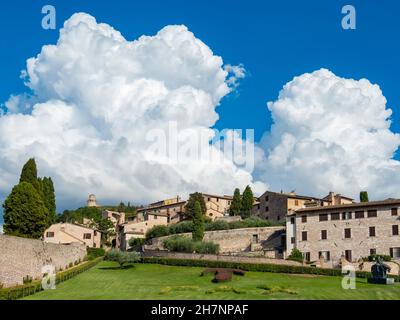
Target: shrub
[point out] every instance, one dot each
(374, 257)
(136, 242)
(217, 225)
(179, 244)
(122, 257)
(157, 231)
(296, 255)
(184, 244)
(206, 247)
(181, 227)
(70, 265)
(27, 279)
(93, 253)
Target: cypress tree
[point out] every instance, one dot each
(247, 202)
(198, 223)
(49, 197)
(25, 214)
(29, 174)
(236, 204)
(189, 207)
(364, 196)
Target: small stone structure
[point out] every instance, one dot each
(20, 257)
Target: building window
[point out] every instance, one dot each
(303, 219)
(292, 240)
(208, 199)
(324, 234)
(372, 231)
(359, 214)
(296, 202)
(292, 220)
(394, 211)
(372, 252)
(95, 233)
(304, 235)
(255, 238)
(278, 218)
(348, 255)
(395, 230)
(347, 233)
(266, 209)
(49, 234)
(87, 236)
(395, 252)
(155, 217)
(94, 245)
(323, 217)
(266, 198)
(372, 214)
(335, 216)
(307, 256)
(326, 255)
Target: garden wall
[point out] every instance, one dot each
(20, 257)
(235, 240)
(214, 257)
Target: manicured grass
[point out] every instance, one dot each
(152, 281)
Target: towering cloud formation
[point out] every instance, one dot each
(97, 96)
(331, 133)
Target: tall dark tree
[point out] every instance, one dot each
(29, 174)
(49, 198)
(25, 214)
(189, 207)
(121, 207)
(106, 227)
(236, 204)
(364, 196)
(247, 202)
(198, 223)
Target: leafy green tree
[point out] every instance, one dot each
(106, 227)
(189, 207)
(198, 223)
(49, 198)
(364, 196)
(122, 257)
(25, 214)
(247, 202)
(236, 204)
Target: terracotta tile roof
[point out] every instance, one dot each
(356, 205)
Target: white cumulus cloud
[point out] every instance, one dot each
(331, 133)
(95, 98)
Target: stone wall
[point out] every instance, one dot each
(236, 240)
(214, 257)
(20, 257)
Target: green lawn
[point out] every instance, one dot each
(151, 281)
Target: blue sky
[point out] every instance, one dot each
(275, 41)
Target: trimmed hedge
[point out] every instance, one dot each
(93, 253)
(256, 267)
(21, 291)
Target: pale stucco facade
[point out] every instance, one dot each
(68, 233)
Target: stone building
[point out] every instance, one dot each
(217, 206)
(351, 231)
(70, 233)
(274, 206)
(91, 201)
